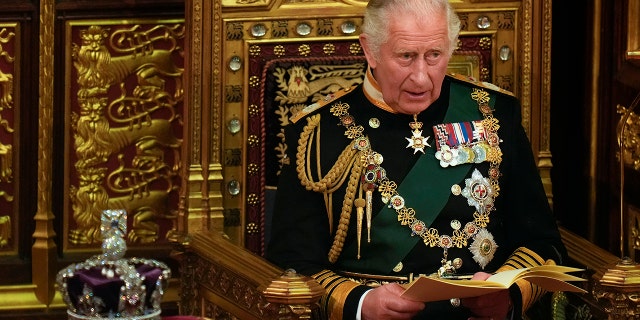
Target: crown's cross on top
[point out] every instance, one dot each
(113, 229)
(417, 141)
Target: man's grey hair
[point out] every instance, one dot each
(379, 12)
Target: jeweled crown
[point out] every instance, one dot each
(109, 286)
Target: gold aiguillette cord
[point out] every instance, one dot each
(360, 204)
(369, 197)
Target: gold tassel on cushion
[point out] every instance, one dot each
(525, 258)
(337, 289)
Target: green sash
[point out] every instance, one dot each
(426, 188)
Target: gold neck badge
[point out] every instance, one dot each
(417, 141)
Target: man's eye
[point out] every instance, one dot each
(433, 57)
(406, 56)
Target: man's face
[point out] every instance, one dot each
(412, 64)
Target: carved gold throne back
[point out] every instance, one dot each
(251, 65)
(287, 85)
(276, 57)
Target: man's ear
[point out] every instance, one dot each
(368, 54)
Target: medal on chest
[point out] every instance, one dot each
(417, 142)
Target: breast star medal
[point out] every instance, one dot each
(417, 141)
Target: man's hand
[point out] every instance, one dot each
(384, 302)
(492, 306)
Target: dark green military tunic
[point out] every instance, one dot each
(302, 235)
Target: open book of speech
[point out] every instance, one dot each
(548, 277)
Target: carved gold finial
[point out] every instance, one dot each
(295, 292)
(618, 289)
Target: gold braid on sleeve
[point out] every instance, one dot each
(334, 178)
(526, 258)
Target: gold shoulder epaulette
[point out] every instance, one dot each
(328, 99)
(483, 84)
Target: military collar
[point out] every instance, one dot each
(373, 93)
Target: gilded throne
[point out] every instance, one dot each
(269, 59)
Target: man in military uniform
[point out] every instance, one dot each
(415, 171)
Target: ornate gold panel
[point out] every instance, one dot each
(495, 31)
(124, 111)
(9, 131)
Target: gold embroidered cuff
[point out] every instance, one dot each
(337, 289)
(525, 258)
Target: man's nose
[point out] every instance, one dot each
(420, 72)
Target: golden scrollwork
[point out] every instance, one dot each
(6, 79)
(5, 231)
(314, 82)
(6, 102)
(123, 132)
(630, 138)
(299, 85)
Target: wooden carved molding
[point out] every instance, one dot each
(633, 32)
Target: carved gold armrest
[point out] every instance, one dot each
(222, 280)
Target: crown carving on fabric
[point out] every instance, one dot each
(109, 286)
